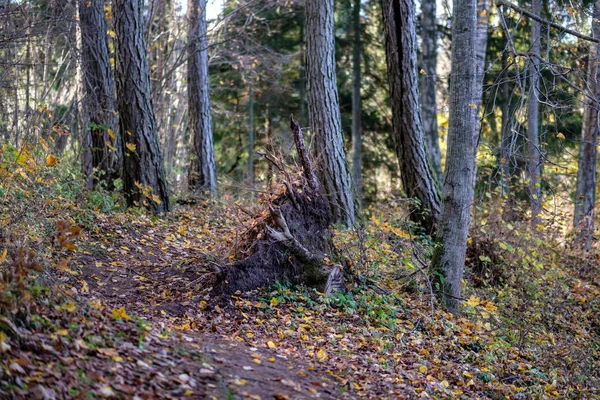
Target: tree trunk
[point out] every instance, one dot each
(99, 100)
(506, 159)
(356, 104)
(401, 49)
(533, 106)
(202, 175)
(144, 182)
(585, 195)
(459, 177)
(324, 112)
(251, 135)
(429, 36)
(82, 120)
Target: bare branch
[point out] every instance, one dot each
(546, 22)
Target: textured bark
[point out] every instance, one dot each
(203, 173)
(429, 35)
(401, 48)
(533, 107)
(459, 176)
(324, 111)
(356, 103)
(99, 100)
(585, 195)
(85, 139)
(144, 180)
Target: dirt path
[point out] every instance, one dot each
(154, 272)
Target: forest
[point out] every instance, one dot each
(294, 199)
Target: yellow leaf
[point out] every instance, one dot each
(44, 145)
(274, 302)
(321, 354)
(272, 359)
(51, 160)
(473, 301)
(70, 307)
(423, 368)
(62, 332)
(271, 345)
(239, 382)
(3, 256)
(445, 384)
(130, 146)
(111, 33)
(422, 72)
(120, 313)
(84, 287)
(560, 136)
(156, 199)
(111, 134)
(96, 304)
(473, 106)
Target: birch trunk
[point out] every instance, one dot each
(429, 37)
(401, 49)
(324, 112)
(533, 107)
(144, 182)
(202, 176)
(585, 195)
(459, 177)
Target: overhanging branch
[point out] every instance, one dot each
(544, 21)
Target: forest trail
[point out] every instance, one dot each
(145, 273)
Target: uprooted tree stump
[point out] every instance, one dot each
(292, 243)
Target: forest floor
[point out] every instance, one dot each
(115, 305)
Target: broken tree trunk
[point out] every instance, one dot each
(293, 242)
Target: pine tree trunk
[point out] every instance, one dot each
(585, 195)
(459, 177)
(356, 103)
(99, 100)
(144, 182)
(324, 112)
(401, 48)
(429, 37)
(202, 175)
(533, 106)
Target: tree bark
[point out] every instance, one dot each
(533, 106)
(324, 112)
(459, 177)
(401, 49)
(356, 103)
(203, 173)
(99, 100)
(429, 35)
(144, 182)
(585, 194)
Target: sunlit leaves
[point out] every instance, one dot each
(120, 313)
(130, 146)
(51, 160)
